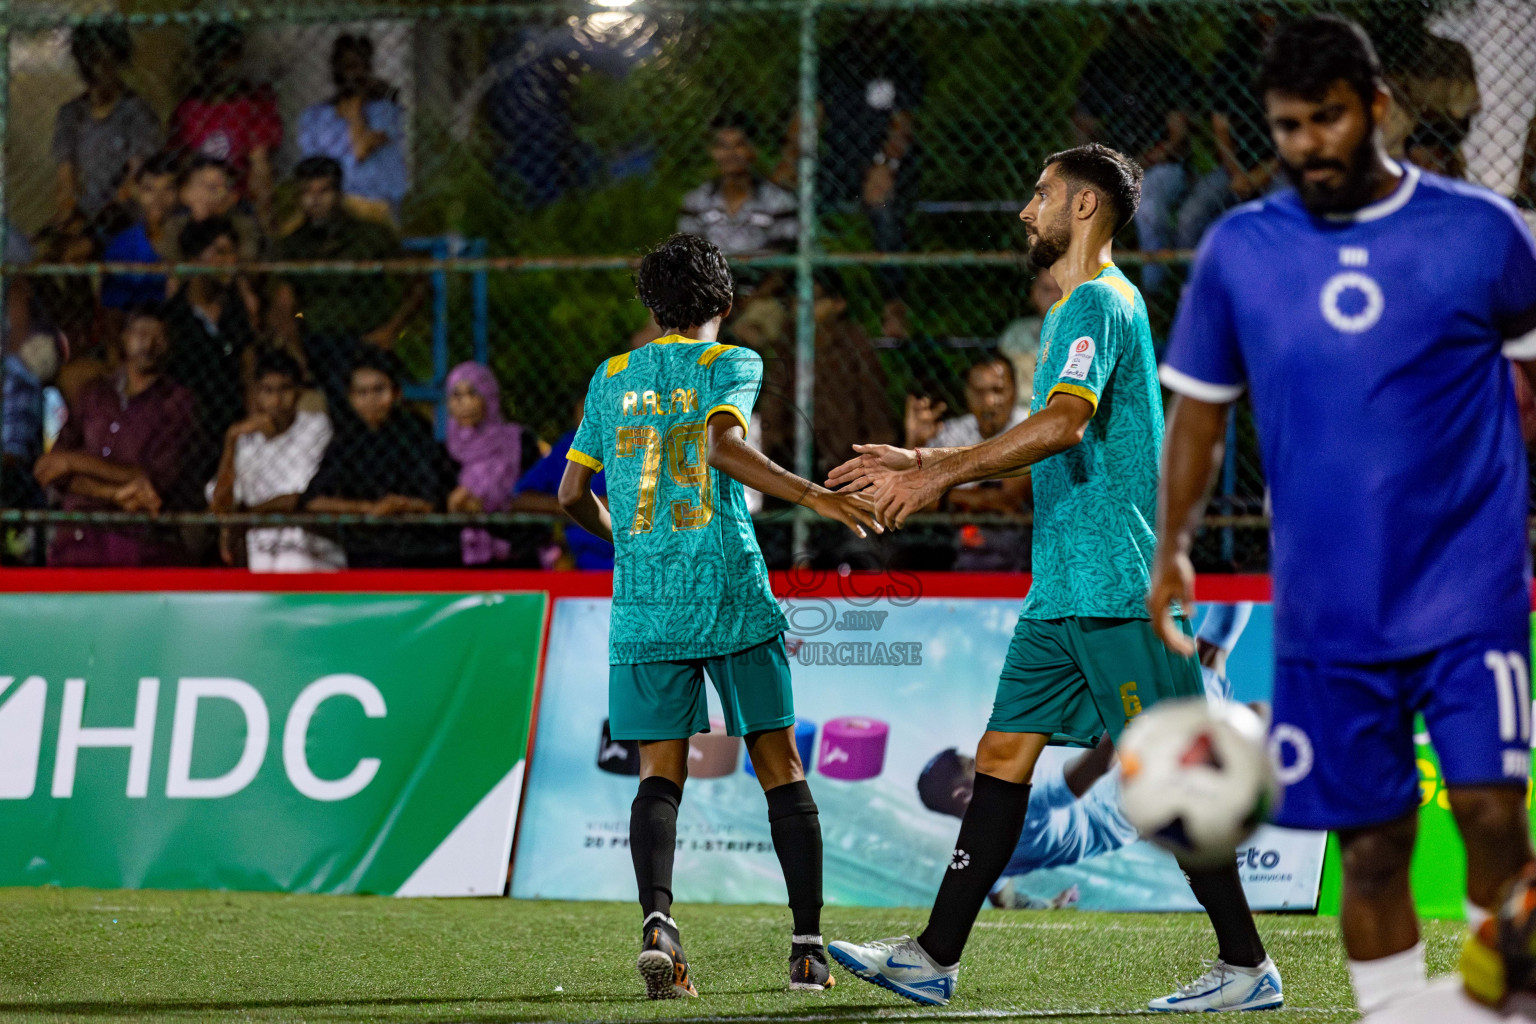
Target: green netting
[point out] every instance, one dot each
(509, 162)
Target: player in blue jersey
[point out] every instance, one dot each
(1371, 312)
(1084, 659)
(667, 423)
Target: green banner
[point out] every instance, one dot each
(304, 743)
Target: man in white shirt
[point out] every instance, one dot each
(269, 459)
(990, 391)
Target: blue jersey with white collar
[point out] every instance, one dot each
(1374, 347)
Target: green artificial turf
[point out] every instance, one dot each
(76, 954)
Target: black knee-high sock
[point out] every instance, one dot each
(1220, 892)
(988, 834)
(796, 828)
(653, 841)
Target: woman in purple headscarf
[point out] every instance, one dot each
(491, 455)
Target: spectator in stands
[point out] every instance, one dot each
(850, 404)
(536, 493)
(154, 200)
(209, 325)
(67, 304)
(1240, 129)
(208, 193)
(227, 118)
(740, 211)
(383, 461)
(101, 136)
(491, 452)
(31, 364)
(871, 84)
(1435, 97)
(337, 311)
(1138, 94)
(362, 128)
(991, 410)
(121, 450)
(268, 461)
(1020, 340)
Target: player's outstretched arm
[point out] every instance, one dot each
(731, 455)
(1054, 429)
(578, 501)
(1192, 453)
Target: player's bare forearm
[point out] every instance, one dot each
(581, 505)
(731, 455)
(1192, 452)
(1057, 427)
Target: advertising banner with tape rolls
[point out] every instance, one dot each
(321, 742)
(892, 692)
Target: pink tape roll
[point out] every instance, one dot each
(713, 754)
(853, 748)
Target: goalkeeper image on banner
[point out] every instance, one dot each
(667, 424)
(1084, 658)
(1074, 805)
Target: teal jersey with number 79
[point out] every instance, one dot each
(689, 580)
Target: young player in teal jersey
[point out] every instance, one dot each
(667, 423)
(1084, 658)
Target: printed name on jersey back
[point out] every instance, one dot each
(659, 403)
(1080, 359)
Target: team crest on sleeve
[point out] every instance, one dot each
(1080, 359)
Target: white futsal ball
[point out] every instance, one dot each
(1197, 779)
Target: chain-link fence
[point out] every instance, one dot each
(244, 249)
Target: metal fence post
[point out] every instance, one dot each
(805, 258)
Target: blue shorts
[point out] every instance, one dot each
(1343, 734)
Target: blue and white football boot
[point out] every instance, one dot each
(1225, 987)
(900, 965)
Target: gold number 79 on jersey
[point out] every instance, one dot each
(688, 468)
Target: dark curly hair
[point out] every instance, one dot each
(1306, 57)
(276, 362)
(685, 282)
(198, 235)
(1115, 177)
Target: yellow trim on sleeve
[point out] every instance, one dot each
(618, 363)
(712, 353)
(583, 459)
(1086, 394)
(745, 426)
(1123, 288)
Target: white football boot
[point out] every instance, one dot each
(1225, 987)
(900, 965)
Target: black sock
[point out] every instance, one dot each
(653, 841)
(988, 834)
(1220, 892)
(796, 828)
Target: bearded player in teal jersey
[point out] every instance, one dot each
(690, 589)
(1084, 658)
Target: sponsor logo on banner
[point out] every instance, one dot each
(1080, 359)
(21, 734)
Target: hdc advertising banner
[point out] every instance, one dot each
(306, 743)
(892, 695)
